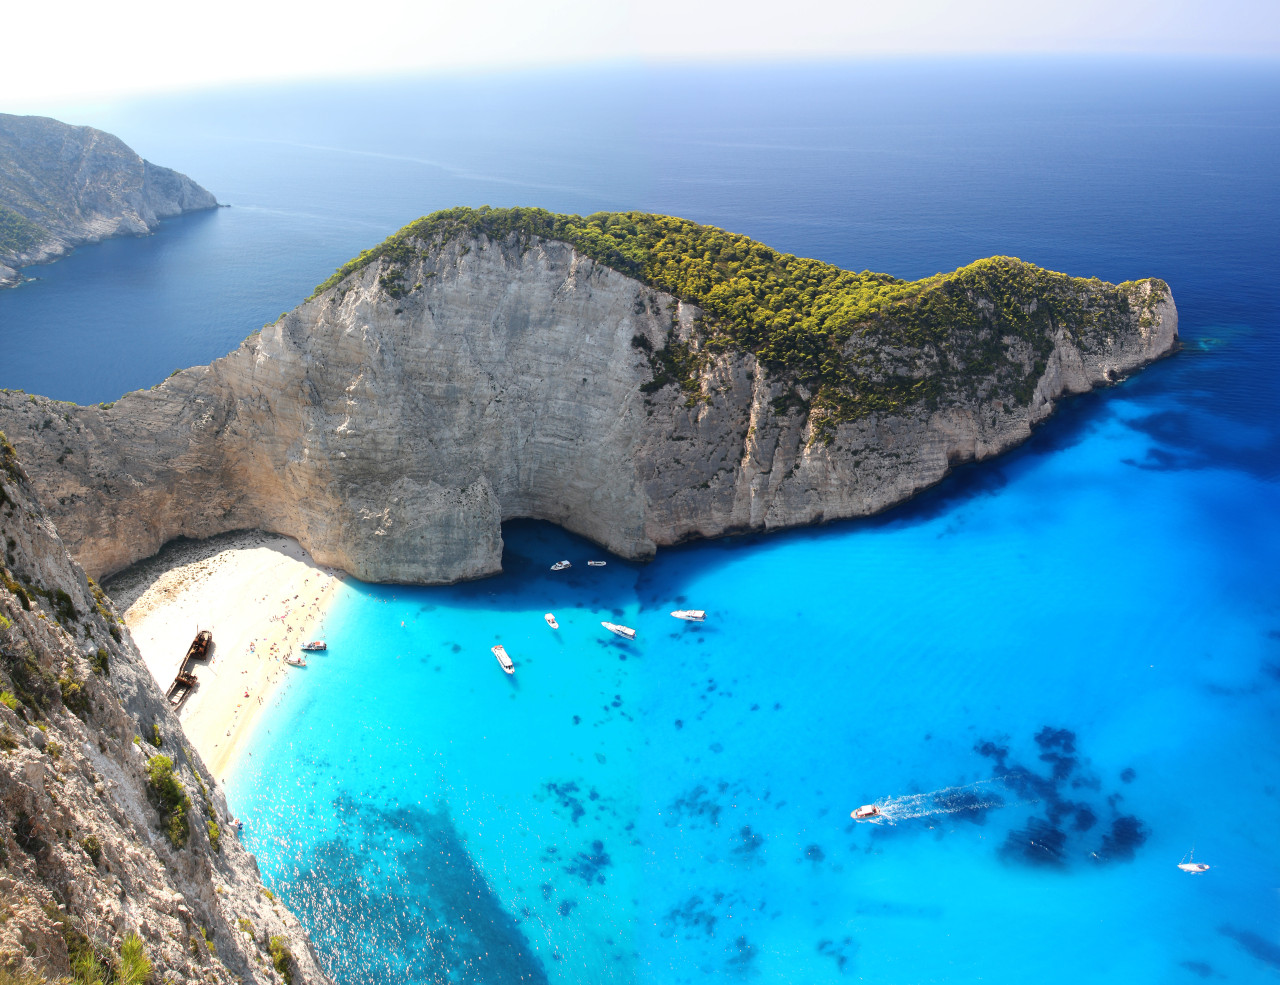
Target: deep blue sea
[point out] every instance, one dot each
(1059, 673)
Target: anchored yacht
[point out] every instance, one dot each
(624, 631)
(503, 660)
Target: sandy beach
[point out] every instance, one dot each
(260, 595)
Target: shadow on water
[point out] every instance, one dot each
(397, 897)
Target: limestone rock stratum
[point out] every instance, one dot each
(62, 186)
(393, 421)
(87, 856)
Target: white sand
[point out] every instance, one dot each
(260, 595)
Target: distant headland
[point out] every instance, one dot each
(638, 379)
(62, 186)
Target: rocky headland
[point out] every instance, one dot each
(62, 186)
(118, 853)
(636, 379)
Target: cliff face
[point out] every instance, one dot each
(393, 422)
(62, 186)
(87, 858)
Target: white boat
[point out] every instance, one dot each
(551, 620)
(864, 812)
(503, 660)
(315, 646)
(624, 631)
(596, 564)
(561, 565)
(1189, 863)
(295, 661)
(690, 615)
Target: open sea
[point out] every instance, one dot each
(1057, 673)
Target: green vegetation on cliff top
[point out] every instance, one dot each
(848, 343)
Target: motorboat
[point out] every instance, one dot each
(690, 615)
(864, 812)
(504, 661)
(596, 564)
(295, 661)
(561, 565)
(551, 620)
(315, 646)
(624, 631)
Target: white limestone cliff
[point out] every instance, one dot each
(392, 435)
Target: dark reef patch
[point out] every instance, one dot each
(566, 795)
(693, 914)
(1052, 840)
(1257, 946)
(1201, 968)
(590, 866)
(841, 953)
(694, 804)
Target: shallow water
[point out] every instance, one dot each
(1066, 662)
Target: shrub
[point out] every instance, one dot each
(281, 958)
(170, 799)
(100, 662)
(92, 847)
(9, 701)
(73, 695)
(135, 967)
(154, 737)
(215, 835)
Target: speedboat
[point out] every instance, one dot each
(596, 564)
(551, 620)
(690, 615)
(503, 660)
(295, 661)
(624, 631)
(315, 646)
(864, 812)
(561, 565)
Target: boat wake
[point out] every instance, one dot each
(968, 798)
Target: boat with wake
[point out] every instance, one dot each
(504, 661)
(626, 632)
(691, 615)
(315, 646)
(561, 565)
(551, 620)
(865, 812)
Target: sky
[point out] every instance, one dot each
(80, 50)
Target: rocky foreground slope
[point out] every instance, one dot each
(62, 186)
(116, 851)
(474, 369)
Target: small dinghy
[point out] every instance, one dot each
(295, 661)
(864, 812)
(691, 615)
(625, 632)
(596, 564)
(561, 565)
(551, 620)
(503, 660)
(315, 646)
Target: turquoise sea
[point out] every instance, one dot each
(1058, 673)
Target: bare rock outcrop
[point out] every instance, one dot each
(391, 423)
(89, 856)
(62, 186)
